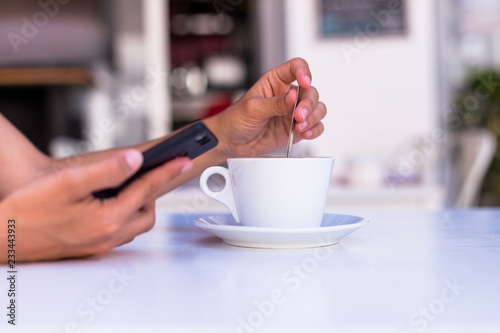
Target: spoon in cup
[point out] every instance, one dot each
(292, 125)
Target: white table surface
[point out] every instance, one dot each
(406, 271)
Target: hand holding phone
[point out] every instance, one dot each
(191, 141)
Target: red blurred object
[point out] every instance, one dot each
(218, 105)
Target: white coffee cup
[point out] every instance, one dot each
(273, 192)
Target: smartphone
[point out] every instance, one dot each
(191, 141)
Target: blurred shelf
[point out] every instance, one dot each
(45, 76)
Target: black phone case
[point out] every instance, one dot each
(191, 141)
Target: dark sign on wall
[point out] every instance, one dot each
(349, 17)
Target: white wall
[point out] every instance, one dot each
(378, 97)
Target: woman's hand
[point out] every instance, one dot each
(259, 122)
(57, 216)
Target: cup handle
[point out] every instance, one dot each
(225, 196)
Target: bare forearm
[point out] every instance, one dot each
(20, 161)
(213, 157)
(88, 158)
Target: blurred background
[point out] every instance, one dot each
(412, 86)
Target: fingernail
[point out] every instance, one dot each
(302, 125)
(287, 98)
(308, 80)
(133, 158)
(187, 166)
(309, 134)
(305, 113)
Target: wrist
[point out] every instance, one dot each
(24, 173)
(216, 125)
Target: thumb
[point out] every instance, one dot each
(108, 173)
(280, 105)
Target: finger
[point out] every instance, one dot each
(316, 116)
(147, 187)
(123, 229)
(283, 104)
(137, 224)
(295, 69)
(309, 99)
(313, 132)
(280, 105)
(111, 172)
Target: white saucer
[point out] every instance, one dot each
(333, 228)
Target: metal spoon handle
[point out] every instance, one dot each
(292, 125)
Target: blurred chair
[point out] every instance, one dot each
(467, 156)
